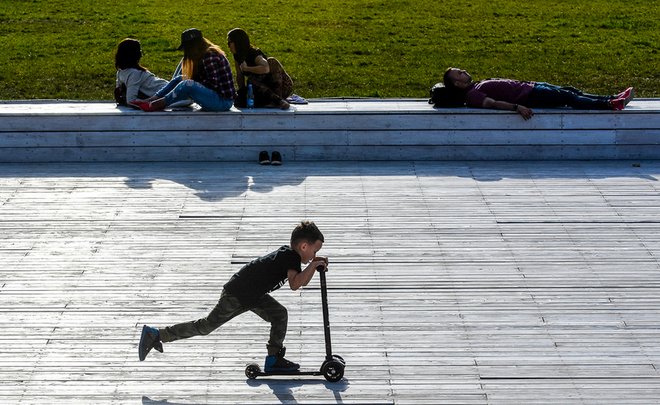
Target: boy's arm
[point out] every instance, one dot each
(301, 279)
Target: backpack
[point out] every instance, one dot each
(443, 97)
(120, 95)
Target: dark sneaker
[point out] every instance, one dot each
(150, 339)
(277, 159)
(276, 364)
(264, 159)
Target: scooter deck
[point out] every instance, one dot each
(287, 373)
(332, 369)
(253, 371)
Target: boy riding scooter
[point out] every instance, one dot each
(248, 290)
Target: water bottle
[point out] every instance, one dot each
(250, 96)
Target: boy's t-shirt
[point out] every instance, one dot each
(263, 275)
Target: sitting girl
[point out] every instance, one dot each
(270, 82)
(133, 80)
(206, 77)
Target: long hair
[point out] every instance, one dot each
(193, 52)
(241, 42)
(128, 54)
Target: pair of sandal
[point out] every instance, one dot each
(265, 159)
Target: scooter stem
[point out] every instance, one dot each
(326, 316)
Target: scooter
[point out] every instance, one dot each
(332, 367)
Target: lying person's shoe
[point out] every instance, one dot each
(617, 104)
(276, 158)
(150, 339)
(283, 105)
(264, 159)
(628, 93)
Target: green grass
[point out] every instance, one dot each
(333, 48)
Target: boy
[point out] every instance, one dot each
(248, 290)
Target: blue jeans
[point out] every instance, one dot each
(179, 90)
(546, 95)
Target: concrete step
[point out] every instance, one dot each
(327, 129)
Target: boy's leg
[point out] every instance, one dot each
(272, 311)
(227, 308)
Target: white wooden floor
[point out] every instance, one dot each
(450, 282)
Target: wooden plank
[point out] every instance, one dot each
(450, 282)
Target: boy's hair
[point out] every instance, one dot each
(306, 231)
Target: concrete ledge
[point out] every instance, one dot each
(401, 129)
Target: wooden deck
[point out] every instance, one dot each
(451, 282)
(364, 129)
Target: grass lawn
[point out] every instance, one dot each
(335, 48)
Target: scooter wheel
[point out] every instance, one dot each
(252, 371)
(333, 370)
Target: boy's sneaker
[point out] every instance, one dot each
(150, 339)
(264, 159)
(276, 158)
(279, 364)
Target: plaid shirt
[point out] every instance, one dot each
(215, 73)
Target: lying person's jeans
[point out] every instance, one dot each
(179, 90)
(546, 95)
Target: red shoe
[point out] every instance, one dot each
(143, 105)
(627, 93)
(618, 104)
